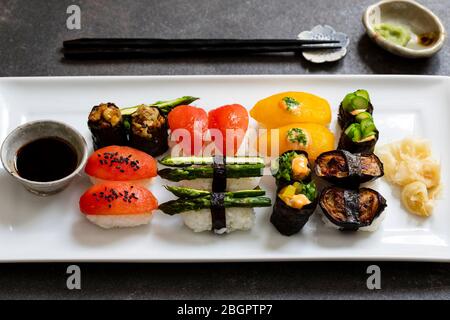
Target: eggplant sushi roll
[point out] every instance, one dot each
(148, 130)
(346, 169)
(352, 210)
(294, 204)
(292, 165)
(221, 212)
(107, 126)
(214, 173)
(353, 104)
(360, 136)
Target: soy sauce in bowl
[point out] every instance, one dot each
(46, 159)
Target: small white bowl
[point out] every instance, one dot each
(412, 15)
(31, 131)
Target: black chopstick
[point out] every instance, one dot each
(168, 43)
(140, 53)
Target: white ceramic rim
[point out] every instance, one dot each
(40, 183)
(406, 51)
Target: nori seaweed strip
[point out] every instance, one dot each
(218, 216)
(351, 205)
(219, 185)
(219, 182)
(353, 163)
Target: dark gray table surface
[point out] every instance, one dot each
(31, 34)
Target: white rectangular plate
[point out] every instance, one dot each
(52, 229)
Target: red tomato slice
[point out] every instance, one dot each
(231, 122)
(194, 121)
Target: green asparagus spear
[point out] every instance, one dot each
(167, 106)
(197, 172)
(182, 205)
(194, 193)
(187, 161)
(164, 106)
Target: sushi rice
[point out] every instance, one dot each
(370, 228)
(236, 218)
(120, 221)
(141, 182)
(233, 184)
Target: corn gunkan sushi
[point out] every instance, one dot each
(221, 212)
(115, 163)
(118, 205)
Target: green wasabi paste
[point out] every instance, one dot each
(394, 33)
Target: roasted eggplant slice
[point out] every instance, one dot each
(292, 165)
(294, 205)
(350, 209)
(346, 169)
(353, 104)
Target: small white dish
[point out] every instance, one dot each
(419, 20)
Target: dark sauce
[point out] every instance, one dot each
(46, 159)
(427, 39)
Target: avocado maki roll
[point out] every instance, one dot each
(291, 166)
(107, 126)
(294, 204)
(148, 130)
(352, 209)
(346, 169)
(353, 104)
(360, 136)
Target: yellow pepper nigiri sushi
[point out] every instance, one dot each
(291, 107)
(310, 137)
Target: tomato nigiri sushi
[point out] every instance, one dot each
(188, 124)
(118, 205)
(115, 163)
(230, 122)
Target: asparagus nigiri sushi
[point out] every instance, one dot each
(221, 212)
(118, 205)
(116, 163)
(232, 173)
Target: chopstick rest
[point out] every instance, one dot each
(326, 55)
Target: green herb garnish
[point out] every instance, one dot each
(291, 103)
(282, 169)
(297, 135)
